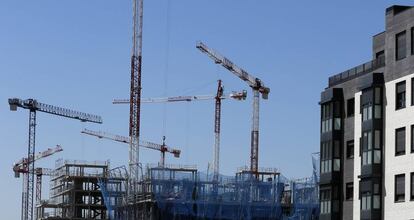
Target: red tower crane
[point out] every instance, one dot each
(34, 106)
(159, 147)
(257, 86)
(217, 119)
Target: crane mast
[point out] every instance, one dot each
(257, 87)
(135, 94)
(34, 106)
(217, 122)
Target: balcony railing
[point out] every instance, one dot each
(357, 71)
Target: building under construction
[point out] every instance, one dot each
(75, 191)
(94, 190)
(91, 190)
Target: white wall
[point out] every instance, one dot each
(400, 164)
(357, 158)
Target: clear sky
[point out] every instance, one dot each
(76, 54)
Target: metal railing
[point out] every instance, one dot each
(357, 71)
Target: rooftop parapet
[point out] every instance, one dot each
(356, 71)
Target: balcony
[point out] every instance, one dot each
(356, 71)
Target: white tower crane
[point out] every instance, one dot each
(159, 147)
(217, 119)
(22, 167)
(257, 86)
(34, 106)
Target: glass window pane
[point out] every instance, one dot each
(329, 124)
(368, 202)
(364, 114)
(377, 156)
(369, 160)
(377, 96)
(337, 123)
(377, 139)
(400, 141)
(377, 202)
(337, 165)
(377, 111)
(369, 113)
(369, 140)
(363, 203)
(364, 158)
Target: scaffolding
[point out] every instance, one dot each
(85, 190)
(75, 192)
(181, 192)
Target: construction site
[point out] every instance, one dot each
(81, 189)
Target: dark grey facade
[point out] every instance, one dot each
(392, 58)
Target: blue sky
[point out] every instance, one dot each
(76, 54)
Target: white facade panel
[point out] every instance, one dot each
(357, 158)
(403, 164)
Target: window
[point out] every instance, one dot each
(326, 157)
(326, 124)
(412, 41)
(400, 46)
(412, 138)
(412, 91)
(337, 115)
(325, 198)
(412, 187)
(366, 148)
(376, 204)
(400, 188)
(350, 149)
(378, 103)
(377, 147)
(380, 56)
(350, 107)
(349, 191)
(336, 156)
(365, 201)
(400, 95)
(400, 141)
(367, 112)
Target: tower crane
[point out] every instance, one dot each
(22, 167)
(34, 106)
(234, 95)
(257, 86)
(135, 95)
(163, 148)
(217, 119)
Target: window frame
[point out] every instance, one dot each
(412, 138)
(404, 96)
(412, 40)
(412, 91)
(325, 200)
(348, 155)
(400, 153)
(399, 56)
(396, 196)
(412, 186)
(348, 105)
(348, 187)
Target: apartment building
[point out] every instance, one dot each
(367, 130)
